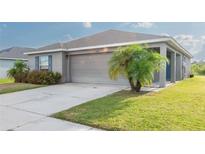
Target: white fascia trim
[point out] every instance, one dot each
(44, 51)
(4, 58)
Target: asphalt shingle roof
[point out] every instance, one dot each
(103, 38)
(15, 52)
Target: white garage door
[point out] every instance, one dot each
(92, 68)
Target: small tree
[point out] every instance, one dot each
(137, 64)
(19, 71)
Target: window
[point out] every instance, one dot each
(43, 63)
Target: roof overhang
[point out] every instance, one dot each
(5, 58)
(174, 43)
(45, 51)
(170, 40)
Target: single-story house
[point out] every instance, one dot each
(85, 60)
(9, 56)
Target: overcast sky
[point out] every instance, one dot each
(190, 35)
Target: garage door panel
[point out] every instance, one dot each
(92, 68)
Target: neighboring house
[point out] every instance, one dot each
(9, 56)
(86, 59)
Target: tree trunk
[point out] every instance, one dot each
(138, 86)
(131, 84)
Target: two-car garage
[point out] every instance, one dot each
(92, 68)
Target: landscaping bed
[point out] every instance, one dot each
(21, 78)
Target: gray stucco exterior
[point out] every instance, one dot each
(59, 63)
(68, 65)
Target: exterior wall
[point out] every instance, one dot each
(156, 77)
(64, 67)
(183, 64)
(173, 66)
(5, 65)
(58, 63)
(68, 65)
(186, 66)
(189, 66)
(179, 67)
(162, 73)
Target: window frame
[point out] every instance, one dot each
(40, 65)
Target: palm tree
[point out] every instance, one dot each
(137, 64)
(19, 71)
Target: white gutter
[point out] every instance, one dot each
(44, 51)
(5, 58)
(114, 45)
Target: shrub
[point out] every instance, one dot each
(19, 71)
(191, 75)
(33, 77)
(57, 76)
(43, 77)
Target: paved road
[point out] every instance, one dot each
(30, 109)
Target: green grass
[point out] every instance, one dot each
(6, 80)
(13, 87)
(178, 107)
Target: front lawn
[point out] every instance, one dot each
(178, 107)
(13, 87)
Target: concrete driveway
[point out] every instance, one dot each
(29, 109)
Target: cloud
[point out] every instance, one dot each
(66, 37)
(194, 44)
(201, 54)
(87, 24)
(144, 24)
(139, 24)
